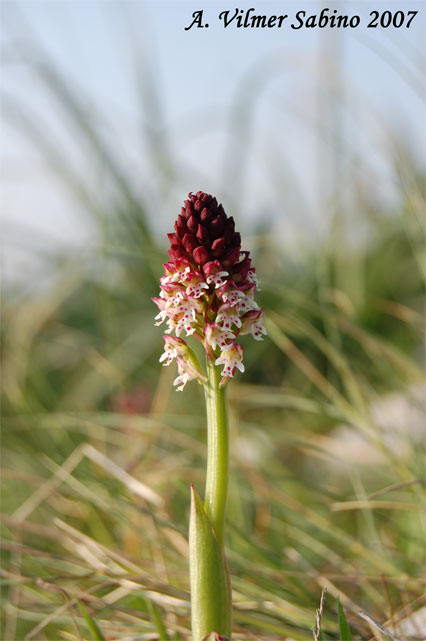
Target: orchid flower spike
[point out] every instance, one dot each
(207, 291)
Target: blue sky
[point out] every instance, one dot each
(304, 86)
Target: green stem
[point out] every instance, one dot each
(217, 451)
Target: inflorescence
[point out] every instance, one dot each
(207, 291)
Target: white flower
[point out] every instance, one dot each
(247, 303)
(252, 323)
(176, 276)
(225, 319)
(187, 372)
(216, 337)
(168, 355)
(251, 276)
(232, 297)
(195, 289)
(257, 331)
(162, 316)
(217, 279)
(232, 359)
(173, 348)
(181, 381)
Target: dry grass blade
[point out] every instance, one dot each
(317, 629)
(374, 623)
(372, 505)
(85, 450)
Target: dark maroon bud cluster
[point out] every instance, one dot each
(204, 233)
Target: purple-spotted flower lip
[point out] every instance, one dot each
(207, 291)
(174, 347)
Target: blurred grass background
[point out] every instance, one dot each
(327, 423)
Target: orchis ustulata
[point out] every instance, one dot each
(207, 292)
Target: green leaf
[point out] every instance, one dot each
(94, 630)
(209, 574)
(345, 633)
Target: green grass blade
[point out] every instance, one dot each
(157, 619)
(345, 633)
(93, 627)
